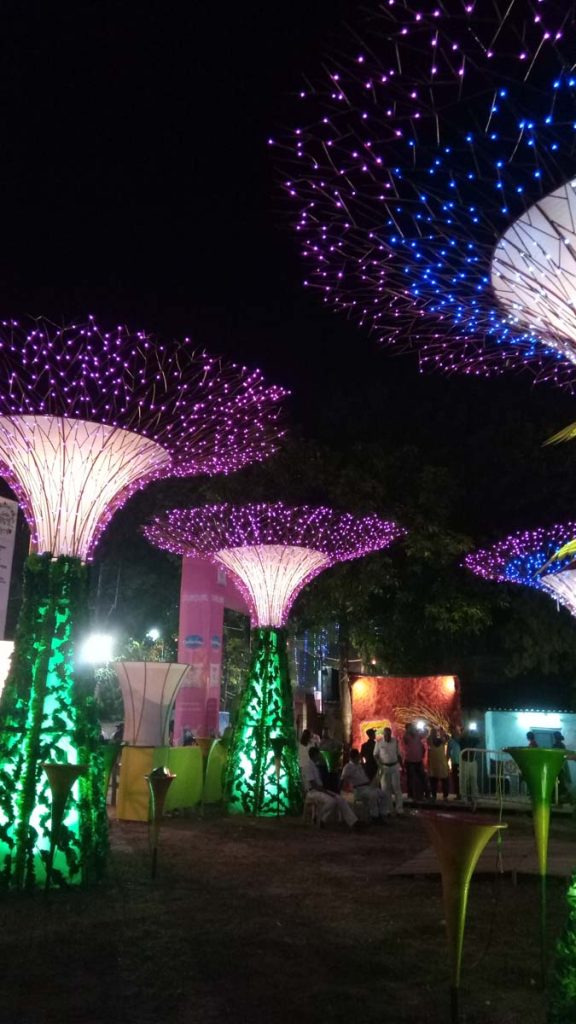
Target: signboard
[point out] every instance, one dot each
(194, 641)
(8, 519)
(206, 591)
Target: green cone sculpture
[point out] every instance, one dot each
(263, 771)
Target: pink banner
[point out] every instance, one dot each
(205, 592)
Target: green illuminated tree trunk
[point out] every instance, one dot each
(42, 719)
(263, 773)
(563, 984)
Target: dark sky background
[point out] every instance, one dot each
(137, 185)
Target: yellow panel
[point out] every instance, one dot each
(133, 795)
(186, 763)
(213, 789)
(379, 724)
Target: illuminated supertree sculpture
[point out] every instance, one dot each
(272, 550)
(530, 558)
(434, 173)
(86, 419)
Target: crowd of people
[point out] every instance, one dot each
(432, 760)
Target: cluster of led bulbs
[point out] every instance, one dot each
(88, 417)
(414, 159)
(531, 558)
(273, 550)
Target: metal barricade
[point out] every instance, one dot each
(498, 776)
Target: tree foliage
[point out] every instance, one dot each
(411, 609)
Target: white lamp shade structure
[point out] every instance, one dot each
(534, 270)
(270, 576)
(71, 475)
(562, 586)
(148, 691)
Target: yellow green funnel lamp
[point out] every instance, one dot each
(540, 769)
(458, 840)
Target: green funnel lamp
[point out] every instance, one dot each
(540, 769)
(61, 778)
(458, 840)
(159, 781)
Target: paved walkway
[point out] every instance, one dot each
(515, 855)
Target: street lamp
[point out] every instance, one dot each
(97, 649)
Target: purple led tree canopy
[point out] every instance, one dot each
(272, 549)
(211, 528)
(211, 416)
(415, 154)
(87, 418)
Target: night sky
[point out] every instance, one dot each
(137, 185)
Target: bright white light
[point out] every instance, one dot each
(420, 724)
(534, 269)
(539, 719)
(473, 726)
(97, 649)
(154, 634)
(6, 649)
(72, 475)
(271, 576)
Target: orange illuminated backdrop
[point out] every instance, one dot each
(378, 701)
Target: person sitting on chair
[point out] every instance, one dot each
(325, 802)
(374, 798)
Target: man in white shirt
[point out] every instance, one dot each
(354, 776)
(326, 803)
(389, 761)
